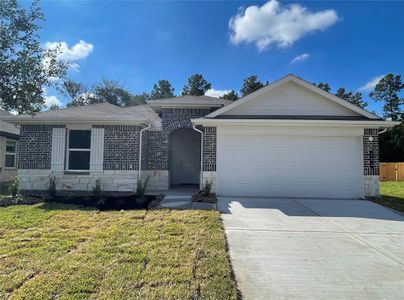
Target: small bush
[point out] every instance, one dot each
(52, 188)
(97, 190)
(141, 190)
(14, 187)
(206, 190)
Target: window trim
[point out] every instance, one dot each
(11, 153)
(77, 150)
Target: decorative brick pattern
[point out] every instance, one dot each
(121, 147)
(36, 146)
(156, 146)
(173, 118)
(371, 152)
(209, 149)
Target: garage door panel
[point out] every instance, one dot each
(291, 166)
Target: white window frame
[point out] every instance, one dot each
(76, 149)
(11, 153)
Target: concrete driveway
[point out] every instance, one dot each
(314, 249)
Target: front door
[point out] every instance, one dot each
(185, 154)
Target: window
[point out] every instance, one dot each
(78, 150)
(11, 154)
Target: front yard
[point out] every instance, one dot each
(391, 195)
(63, 251)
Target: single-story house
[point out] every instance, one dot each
(287, 139)
(9, 136)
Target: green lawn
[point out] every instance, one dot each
(391, 195)
(61, 251)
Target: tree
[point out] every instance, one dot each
(232, 95)
(197, 86)
(387, 90)
(76, 92)
(250, 84)
(351, 97)
(324, 86)
(54, 107)
(162, 89)
(111, 91)
(391, 144)
(138, 99)
(28, 66)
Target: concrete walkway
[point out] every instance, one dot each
(314, 248)
(181, 198)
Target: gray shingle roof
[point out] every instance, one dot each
(190, 101)
(146, 111)
(5, 126)
(93, 113)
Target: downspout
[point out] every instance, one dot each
(140, 150)
(201, 171)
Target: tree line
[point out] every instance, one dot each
(113, 92)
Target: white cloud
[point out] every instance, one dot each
(79, 51)
(300, 58)
(370, 85)
(277, 24)
(52, 100)
(216, 93)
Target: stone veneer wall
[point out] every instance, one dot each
(371, 162)
(111, 181)
(35, 146)
(121, 147)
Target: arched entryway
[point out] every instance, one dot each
(185, 157)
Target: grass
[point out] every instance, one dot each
(391, 195)
(66, 252)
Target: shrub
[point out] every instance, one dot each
(207, 188)
(98, 200)
(14, 187)
(97, 190)
(141, 190)
(52, 188)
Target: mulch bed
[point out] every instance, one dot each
(6, 200)
(200, 197)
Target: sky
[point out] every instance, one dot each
(348, 44)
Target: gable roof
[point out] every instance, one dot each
(101, 113)
(188, 101)
(6, 128)
(299, 81)
(145, 111)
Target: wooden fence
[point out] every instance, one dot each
(392, 171)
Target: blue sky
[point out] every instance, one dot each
(346, 44)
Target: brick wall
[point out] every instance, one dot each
(154, 151)
(156, 143)
(121, 147)
(35, 146)
(209, 149)
(371, 152)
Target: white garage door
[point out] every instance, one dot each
(289, 166)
